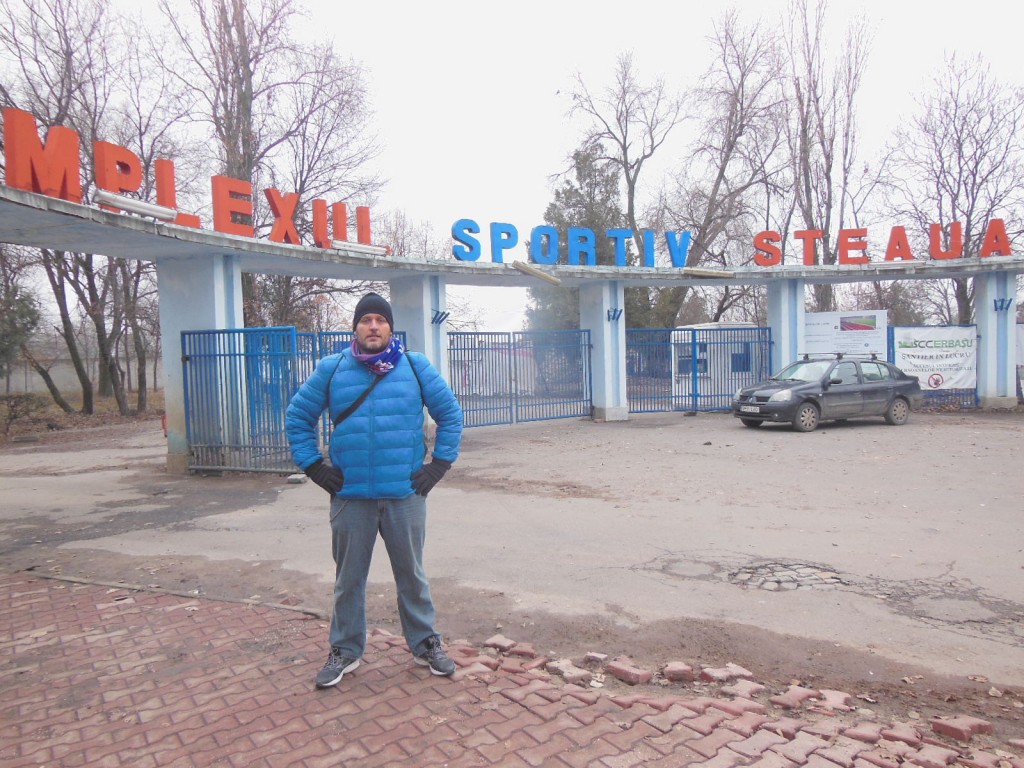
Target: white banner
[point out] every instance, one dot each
(942, 357)
(856, 332)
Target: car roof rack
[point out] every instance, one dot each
(806, 356)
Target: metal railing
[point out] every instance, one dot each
(237, 385)
(693, 369)
(504, 378)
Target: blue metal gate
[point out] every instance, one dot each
(693, 369)
(649, 370)
(237, 385)
(503, 378)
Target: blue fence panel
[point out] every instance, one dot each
(237, 385)
(552, 374)
(649, 370)
(482, 377)
(721, 360)
(306, 355)
(504, 378)
(693, 369)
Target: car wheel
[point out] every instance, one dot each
(898, 412)
(751, 422)
(806, 418)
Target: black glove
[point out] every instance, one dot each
(331, 479)
(427, 476)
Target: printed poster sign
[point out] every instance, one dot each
(942, 357)
(861, 332)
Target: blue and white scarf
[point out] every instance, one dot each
(381, 362)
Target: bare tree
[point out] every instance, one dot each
(631, 121)
(822, 134)
(61, 59)
(961, 163)
(278, 114)
(411, 240)
(719, 194)
(328, 156)
(19, 313)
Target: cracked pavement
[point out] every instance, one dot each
(672, 534)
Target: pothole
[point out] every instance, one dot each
(955, 605)
(780, 576)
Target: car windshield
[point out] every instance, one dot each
(809, 370)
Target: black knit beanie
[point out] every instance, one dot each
(373, 304)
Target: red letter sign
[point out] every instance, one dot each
(231, 198)
(167, 193)
(768, 254)
(51, 169)
(852, 240)
(363, 225)
(899, 246)
(339, 223)
(118, 169)
(956, 241)
(996, 240)
(808, 236)
(283, 207)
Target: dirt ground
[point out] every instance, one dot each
(49, 533)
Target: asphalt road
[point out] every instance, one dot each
(901, 543)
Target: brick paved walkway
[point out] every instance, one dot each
(91, 676)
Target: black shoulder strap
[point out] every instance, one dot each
(329, 380)
(358, 401)
(417, 375)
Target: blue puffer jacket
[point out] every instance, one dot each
(380, 444)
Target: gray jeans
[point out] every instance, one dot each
(402, 523)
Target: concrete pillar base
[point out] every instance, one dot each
(611, 414)
(177, 464)
(997, 403)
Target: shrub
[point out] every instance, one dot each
(15, 407)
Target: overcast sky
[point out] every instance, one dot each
(471, 97)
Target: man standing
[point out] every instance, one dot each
(374, 393)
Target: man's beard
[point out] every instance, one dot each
(372, 347)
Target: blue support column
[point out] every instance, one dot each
(995, 309)
(196, 294)
(602, 311)
(786, 319)
(420, 306)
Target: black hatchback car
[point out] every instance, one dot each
(829, 388)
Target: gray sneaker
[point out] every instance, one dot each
(435, 658)
(335, 668)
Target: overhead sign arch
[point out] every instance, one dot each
(199, 270)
